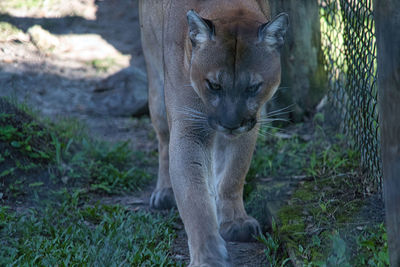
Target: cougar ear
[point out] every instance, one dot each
(200, 29)
(272, 33)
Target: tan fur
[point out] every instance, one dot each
(206, 135)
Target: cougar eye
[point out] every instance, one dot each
(254, 88)
(213, 86)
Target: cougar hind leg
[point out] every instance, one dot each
(162, 197)
(151, 34)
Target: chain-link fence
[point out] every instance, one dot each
(348, 42)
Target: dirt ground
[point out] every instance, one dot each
(59, 69)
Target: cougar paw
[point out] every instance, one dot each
(213, 254)
(241, 230)
(162, 199)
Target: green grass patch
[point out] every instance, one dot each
(372, 248)
(102, 65)
(47, 170)
(321, 156)
(313, 185)
(8, 31)
(274, 250)
(70, 234)
(108, 168)
(37, 151)
(26, 4)
(25, 152)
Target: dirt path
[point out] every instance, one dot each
(58, 67)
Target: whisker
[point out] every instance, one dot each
(281, 109)
(196, 121)
(194, 113)
(288, 108)
(199, 126)
(285, 109)
(195, 116)
(273, 98)
(277, 131)
(264, 128)
(283, 87)
(205, 132)
(192, 110)
(188, 108)
(275, 114)
(271, 116)
(264, 134)
(271, 120)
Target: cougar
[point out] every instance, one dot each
(211, 65)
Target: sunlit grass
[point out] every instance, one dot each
(8, 32)
(26, 4)
(102, 64)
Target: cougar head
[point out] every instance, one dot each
(235, 68)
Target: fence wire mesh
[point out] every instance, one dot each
(348, 43)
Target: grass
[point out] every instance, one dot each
(50, 174)
(62, 154)
(311, 182)
(25, 4)
(8, 31)
(372, 247)
(313, 186)
(108, 168)
(103, 64)
(70, 234)
(25, 150)
(274, 251)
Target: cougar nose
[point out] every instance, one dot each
(231, 126)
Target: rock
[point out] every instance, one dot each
(43, 39)
(122, 94)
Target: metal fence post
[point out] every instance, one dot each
(387, 15)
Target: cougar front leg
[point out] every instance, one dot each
(189, 170)
(232, 159)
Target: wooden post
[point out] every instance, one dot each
(387, 15)
(304, 80)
